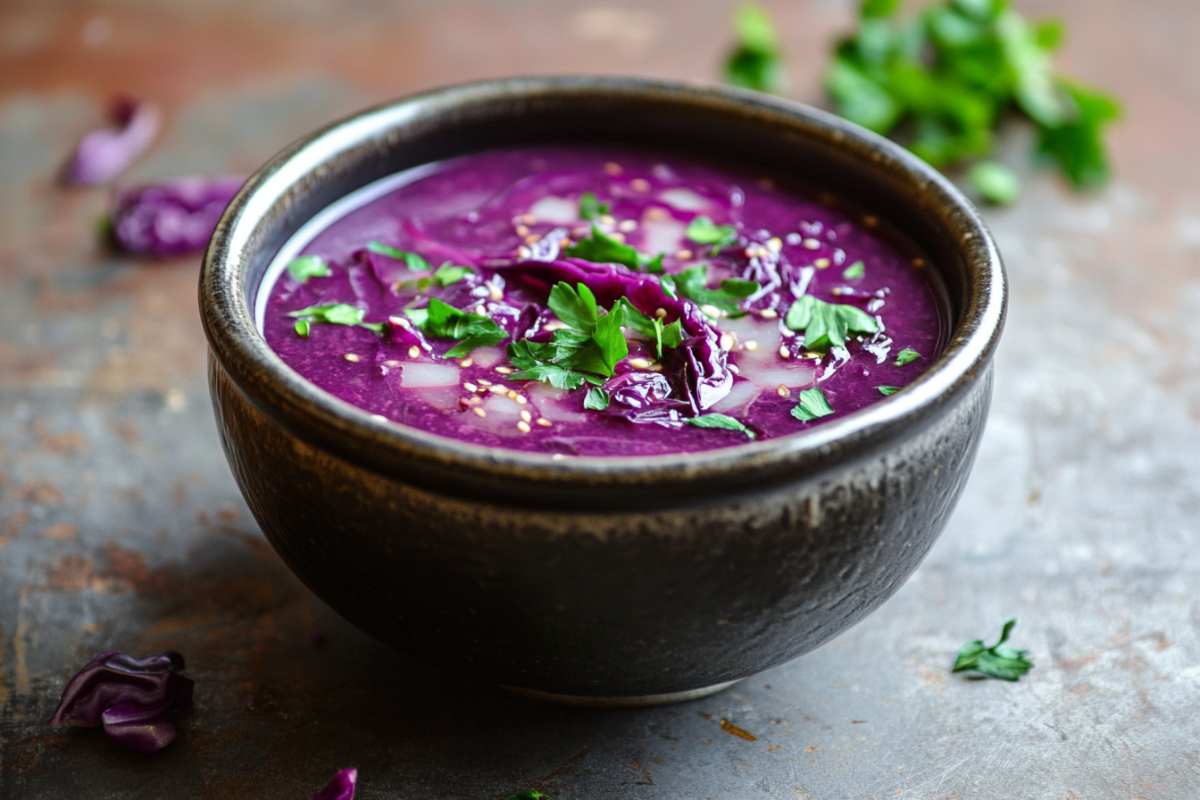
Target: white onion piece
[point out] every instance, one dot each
(502, 415)
(753, 327)
(486, 356)
(553, 404)
(798, 374)
(741, 395)
(420, 374)
(555, 210)
(443, 398)
(661, 236)
(683, 199)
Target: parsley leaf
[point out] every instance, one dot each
(703, 230)
(331, 314)
(722, 422)
(600, 248)
(906, 356)
(692, 283)
(812, 405)
(855, 271)
(755, 62)
(411, 260)
(305, 267)
(998, 661)
(995, 182)
(443, 321)
(449, 274)
(590, 206)
(667, 283)
(596, 399)
(827, 324)
(653, 329)
(887, 391)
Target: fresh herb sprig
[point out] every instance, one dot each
(755, 61)
(331, 314)
(722, 422)
(590, 207)
(652, 329)
(998, 661)
(585, 351)
(692, 283)
(827, 324)
(441, 320)
(413, 261)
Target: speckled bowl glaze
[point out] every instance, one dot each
(615, 580)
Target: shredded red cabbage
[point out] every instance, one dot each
(341, 787)
(171, 218)
(105, 153)
(135, 700)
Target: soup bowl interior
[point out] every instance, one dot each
(606, 578)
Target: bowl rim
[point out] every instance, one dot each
(237, 345)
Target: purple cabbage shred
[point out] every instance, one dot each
(135, 700)
(170, 218)
(105, 153)
(341, 787)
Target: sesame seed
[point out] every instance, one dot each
(727, 342)
(498, 388)
(504, 370)
(391, 362)
(774, 244)
(660, 313)
(521, 399)
(870, 220)
(783, 352)
(684, 254)
(527, 219)
(414, 352)
(545, 423)
(655, 212)
(523, 426)
(769, 313)
(821, 263)
(470, 387)
(608, 220)
(815, 356)
(750, 344)
(639, 185)
(711, 311)
(479, 412)
(640, 363)
(484, 382)
(466, 362)
(627, 226)
(474, 401)
(524, 252)
(811, 244)
(525, 415)
(612, 168)
(353, 358)
(522, 230)
(511, 394)
(783, 391)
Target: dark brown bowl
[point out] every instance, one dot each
(599, 580)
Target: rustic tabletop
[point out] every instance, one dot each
(120, 525)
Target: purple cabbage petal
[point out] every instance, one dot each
(105, 153)
(171, 218)
(135, 699)
(341, 787)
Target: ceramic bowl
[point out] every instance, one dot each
(600, 580)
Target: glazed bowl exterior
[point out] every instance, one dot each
(619, 580)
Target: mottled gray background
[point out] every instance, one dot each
(120, 525)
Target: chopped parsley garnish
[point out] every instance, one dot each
(692, 283)
(667, 282)
(600, 248)
(703, 230)
(887, 391)
(532, 794)
(995, 183)
(596, 399)
(590, 206)
(721, 421)
(906, 356)
(652, 328)
(331, 314)
(947, 78)
(411, 260)
(449, 274)
(855, 271)
(755, 62)
(305, 267)
(827, 324)
(443, 321)
(998, 661)
(587, 350)
(812, 405)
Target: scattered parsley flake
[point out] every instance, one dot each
(590, 207)
(998, 661)
(331, 314)
(721, 421)
(906, 356)
(411, 260)
(812, 405)
(703, 230)
(855, 271)
(596, 399)
(692, 283)
(441, 320)
(887, 391)
(600, 248)
(827, 324)
(305, 267)
(450, 274)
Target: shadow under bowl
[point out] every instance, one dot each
(618, 581)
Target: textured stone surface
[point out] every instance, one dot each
(120, 524)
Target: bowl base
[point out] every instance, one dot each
(619, 701)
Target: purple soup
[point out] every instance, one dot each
(601, 302)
